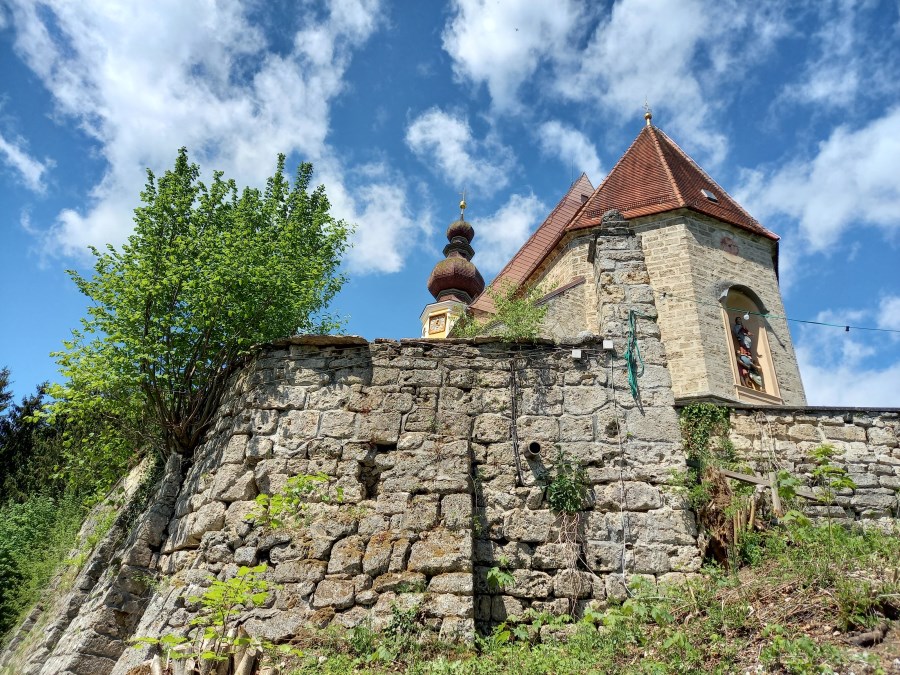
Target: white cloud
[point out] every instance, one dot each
(444, 142)
(30, 170)
(846, 65)
(856, 368)
(678, 54)
(570, 146)
(161, 75)
(851, 181)
(501, 44)
(500, 235)
(889, 313)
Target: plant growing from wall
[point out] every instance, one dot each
(831, 478)
(566, 485)
(291, 506)
(499, 577)
(517, 316)
(222, 607)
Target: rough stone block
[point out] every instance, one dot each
(573, 583)
(234, 483)
(491, 428)
(460, 583)
(421, 514)
(504, 607)
(398, 580)
(442, 551)
(299, 424)
(334, 593)
(300, 570)
(456, 511)
(338, 424)
(576, 428)
(380, 427)
(583, 400)
(528, 526)
(234, 449)
(258, 448)
(530, 584)
(377, 556)
(554, 556)
(449, 604)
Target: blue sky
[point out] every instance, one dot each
(793, 107)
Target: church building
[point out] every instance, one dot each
(709, 268)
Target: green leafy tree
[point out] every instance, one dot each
(30, 450)
(208, 274)
(5, 393)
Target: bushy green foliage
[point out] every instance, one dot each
(704, 430)
(207, 274)
(499, 577)
(35, 537)
(30, 450)
(517, 315)
(221, 607)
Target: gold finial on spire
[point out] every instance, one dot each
(462, 206)
(648, 114)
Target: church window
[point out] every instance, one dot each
(751, 361)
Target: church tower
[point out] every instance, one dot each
(710, 268)
(454, 282)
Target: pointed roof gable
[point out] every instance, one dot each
(654, 176)
(542, 242)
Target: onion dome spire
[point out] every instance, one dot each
(455, 277)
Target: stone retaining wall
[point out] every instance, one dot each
(868, 443)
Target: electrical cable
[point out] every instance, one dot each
(768, 315)
(633, 354)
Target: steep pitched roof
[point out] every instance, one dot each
(653, 176)
(541, 243)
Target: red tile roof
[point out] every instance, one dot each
(541, 243)
(653, 176)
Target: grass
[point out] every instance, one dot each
(791, 608)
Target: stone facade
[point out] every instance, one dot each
(867, 442)
(575, 309)
(686, 260)
(417, 437)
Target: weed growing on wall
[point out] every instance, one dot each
(222, 608)
(517, 316)
(566, 485)
(768, 617)
(291, 506)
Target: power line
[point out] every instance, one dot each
(768, 315)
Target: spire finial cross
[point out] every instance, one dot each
(648, 113)
(462, 205)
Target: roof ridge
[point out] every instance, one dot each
(662, 158)
(560, 204)
(599, 187)
(677, 148)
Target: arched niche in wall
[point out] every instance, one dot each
(746, 331)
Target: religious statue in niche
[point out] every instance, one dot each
(749, 369)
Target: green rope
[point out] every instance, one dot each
(633, 357)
